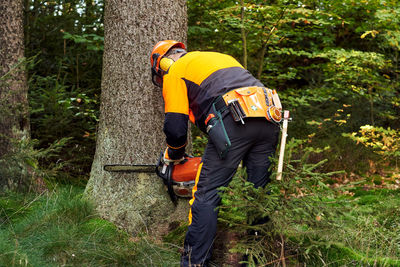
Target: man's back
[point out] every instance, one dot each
(201, 77)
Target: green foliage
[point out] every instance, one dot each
(58, 112)
(319, 55)
(199, 142)
(324, 135)
(62, 228)
(177, 236)
(93, 41)
(336, 66)
(310, 222)
(293, 206)
(64, 84)
(21, 168)
(369, 228)
(383, 141)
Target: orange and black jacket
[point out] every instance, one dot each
(190, 87)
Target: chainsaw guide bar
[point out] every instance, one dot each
(129, 168)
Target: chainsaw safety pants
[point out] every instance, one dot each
(254, 142)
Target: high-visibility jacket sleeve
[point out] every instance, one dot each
(175, 94)
(176, 115)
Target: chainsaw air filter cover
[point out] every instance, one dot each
(184, 176)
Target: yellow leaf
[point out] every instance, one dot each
(373, 33)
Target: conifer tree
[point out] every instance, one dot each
(132, 112)
(14, 123)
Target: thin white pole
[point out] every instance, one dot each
(283, 144)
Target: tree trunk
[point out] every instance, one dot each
(132, 113)
(14, 122)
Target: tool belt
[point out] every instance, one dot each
(249, 102)
(241, 103)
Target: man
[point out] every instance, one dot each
(224, 100)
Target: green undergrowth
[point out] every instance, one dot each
(345, 227)
(366, 232)
(60, 228)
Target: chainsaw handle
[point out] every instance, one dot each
(166, 177)
(159, 164)
(170, 186)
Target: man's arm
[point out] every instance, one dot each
(176, 111)
(175, 129)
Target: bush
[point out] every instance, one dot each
(21, 170)
(58, 112)
(304, 220)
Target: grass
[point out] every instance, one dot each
(370, 232)
(365, 232)
(60, 228)
(311, 224)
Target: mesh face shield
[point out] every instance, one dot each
(157, 79)
(156, 76)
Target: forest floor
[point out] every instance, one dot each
(60, 228)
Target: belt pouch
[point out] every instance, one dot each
(217, 134)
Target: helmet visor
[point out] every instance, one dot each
(157, 79)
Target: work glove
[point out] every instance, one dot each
(167, 160)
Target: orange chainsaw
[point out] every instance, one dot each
(179, 178)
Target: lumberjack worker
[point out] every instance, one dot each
(240, 116)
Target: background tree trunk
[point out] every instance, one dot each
(132, 113)
(14, 123)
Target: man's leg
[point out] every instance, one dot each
(214, 173)
(203, 213)
(257, 159)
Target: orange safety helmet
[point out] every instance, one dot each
(159, 50)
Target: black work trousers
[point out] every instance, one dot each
(254, 142)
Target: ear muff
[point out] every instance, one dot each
(165, 63)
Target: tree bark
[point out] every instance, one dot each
(132, 113)
(14, 123)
